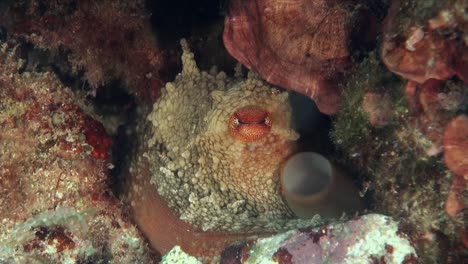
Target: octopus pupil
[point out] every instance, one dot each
(240, 122)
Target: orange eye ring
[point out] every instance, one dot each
(250, 123)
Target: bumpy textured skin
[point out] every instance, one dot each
(210, 178)
(205, 166)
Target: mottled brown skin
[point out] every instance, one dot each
(206, 169)
(299, 45)
(163, 228)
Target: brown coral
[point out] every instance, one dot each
(300, 45)
(432, 48)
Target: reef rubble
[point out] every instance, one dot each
(55, 204)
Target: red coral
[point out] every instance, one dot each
(456, 145)
(420, 52)
(432, 108)
(456, 159)
(97, 137)
(283, 256)
(300, 45)
(55, 236)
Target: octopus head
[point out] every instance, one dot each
(249, 134)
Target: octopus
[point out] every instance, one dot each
(206, 167)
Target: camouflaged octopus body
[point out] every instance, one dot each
(211, 179)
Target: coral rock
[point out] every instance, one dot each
(300, 45)
(372, 238)
(55, 205)
(456, 145)
(433, 48)
(456, 159)
(407, 178)
(429, 97)
(106, 40)
(433, 104)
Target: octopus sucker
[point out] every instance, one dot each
(206, 167)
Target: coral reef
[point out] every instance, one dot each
(103, 40)
(424, 41)
(54, 202)
(456, 158)
(397, 143)
(205, 166)
(427, 44)
(300, 45)
(371, 238)
(406, 176)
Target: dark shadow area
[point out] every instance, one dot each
(177, 19)
(313, 126)
(201, 23)
(314, 129)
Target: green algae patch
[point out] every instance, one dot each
(400, 161)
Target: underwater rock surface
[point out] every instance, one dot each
(424, 41)
(55, 206)
(371, 238)
(104, 40)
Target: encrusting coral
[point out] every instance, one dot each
(406, 175)
(455, 155)
(55, 205)
(424, 41)
(370, 238)
(427, 44)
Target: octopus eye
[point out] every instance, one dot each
(250, 123)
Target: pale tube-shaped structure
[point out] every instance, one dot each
(312, 185)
